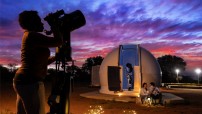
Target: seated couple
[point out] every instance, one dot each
(152, 92)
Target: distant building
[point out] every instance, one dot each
(95, 79)
(125, 69)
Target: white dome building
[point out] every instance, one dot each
(114, 74)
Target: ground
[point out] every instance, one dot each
(80, 105)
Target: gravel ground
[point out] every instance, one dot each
(80, 105)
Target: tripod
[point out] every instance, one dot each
(59, 100)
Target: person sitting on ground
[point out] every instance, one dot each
(155, 92)
(144, 92)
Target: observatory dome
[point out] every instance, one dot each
(146, 69)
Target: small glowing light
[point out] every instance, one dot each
(129, 112)
(119, 94)
(149, 99)
(95, 110)
(198, 71)
(177, 70)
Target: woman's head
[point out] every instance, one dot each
(129, 66)
(30, 20)
(144, 85)
(152, 84)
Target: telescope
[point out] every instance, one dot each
(62, 83)
(66, 22)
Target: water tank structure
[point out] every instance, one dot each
(124, 69)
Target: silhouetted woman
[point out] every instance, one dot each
(35, 56)
(129, 70)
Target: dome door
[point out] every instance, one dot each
(128, 58)
(114, 82)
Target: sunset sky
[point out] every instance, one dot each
(160, 26)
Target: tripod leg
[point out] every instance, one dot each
(65, 96)
(55, 91)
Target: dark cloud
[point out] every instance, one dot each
(181, 27)
(192, 26)
(163, 27)
(4, 22)
(194, 3)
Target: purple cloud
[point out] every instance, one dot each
(162, 27)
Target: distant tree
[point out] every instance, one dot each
(91, 61)
(50, 74)
(4, 73)
(3, 70)
(51, 71)
(168, 64)
(12, 67)
(74, 70)
(187, 79)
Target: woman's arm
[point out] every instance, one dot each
(40, 40)
(143, 92)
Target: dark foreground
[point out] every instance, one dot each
(80, 105)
